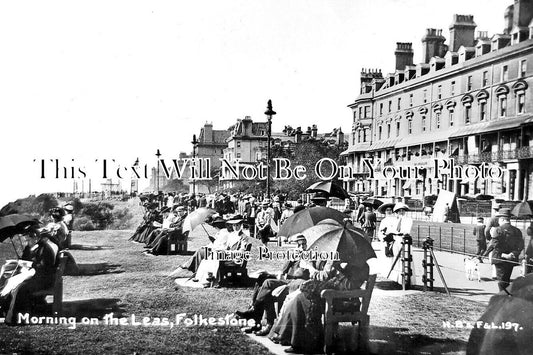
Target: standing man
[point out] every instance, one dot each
(263, 220)
(507, 244)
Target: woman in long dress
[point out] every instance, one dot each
(402, 229)
(387, 228)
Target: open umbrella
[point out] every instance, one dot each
(522, 210)
(330, 188)
(307, 218)
(483, 197)
(197, 217)
(14, 224)
(331, 236)
(372, 202)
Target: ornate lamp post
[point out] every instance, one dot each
(269, 112)
(158, 154)
(194, 146)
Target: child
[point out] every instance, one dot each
(479, 233)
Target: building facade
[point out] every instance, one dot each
(469, 100)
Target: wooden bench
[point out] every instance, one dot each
(56, 291)
(175, 245)
(358, 314)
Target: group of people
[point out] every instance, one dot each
(160, 223)
(296, 289)
(36, 268)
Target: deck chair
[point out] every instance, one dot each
(333, 316)
(229, 270)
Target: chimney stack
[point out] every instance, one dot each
(432, 45)
(508, 18)
(404, 55)
(462, 31)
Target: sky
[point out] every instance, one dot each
(93, 80)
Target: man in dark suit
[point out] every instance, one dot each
(507, 244)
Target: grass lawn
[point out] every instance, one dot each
(117, 277)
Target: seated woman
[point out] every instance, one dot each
(218, 242)
(300, 321)
(42, 252)
(207, 272)
(58, 229)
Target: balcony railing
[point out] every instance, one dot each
(487, 157)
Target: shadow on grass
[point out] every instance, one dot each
(93, 308)
(388, 285)
(385, 340)
(98, 269)
(89, 247)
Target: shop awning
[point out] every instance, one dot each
(360, 147)
(387, 143)
(491, 126)
(430, 137)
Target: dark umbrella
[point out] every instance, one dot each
(331, 236)
(307, 218)
(522, 210)
(328, 187)
(14, 224)
(372, 202)
(511, 311)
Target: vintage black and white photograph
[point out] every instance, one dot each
(266, 177)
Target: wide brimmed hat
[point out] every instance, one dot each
(288, 205)
(383, 207)
(235, 219)
(504, 212)
(265, 202)
(69, 208)
(400, 206)
(165, 209)
(217, 221)
(57, 212)
(496, 206)
(179, 208)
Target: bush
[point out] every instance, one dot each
(122, 219)
(83, 224)
(100, 214)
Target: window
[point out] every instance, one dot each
(238, 155)
(367, 111)
(381, 108)
(388, 130)
(390, 105)
(451, 118)
(398, 129)
(411, 100)
(522, 68)
(502, 106)
(399, 103)
(425, 95)
(437, 119)
(358, 136)
(505, 73)
(423, 123)
(482, 110)
(469, 83)
(452, 88)
(439, 92)
(380, 130)
(354, 116)
(485, 78)
(360, 112)
(520, 102)
(468, 113)
(364, 135)
(238, 144)
(410, 126)
(353, 139)
(262, 132)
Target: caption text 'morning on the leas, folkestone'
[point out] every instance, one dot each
(180, 320)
